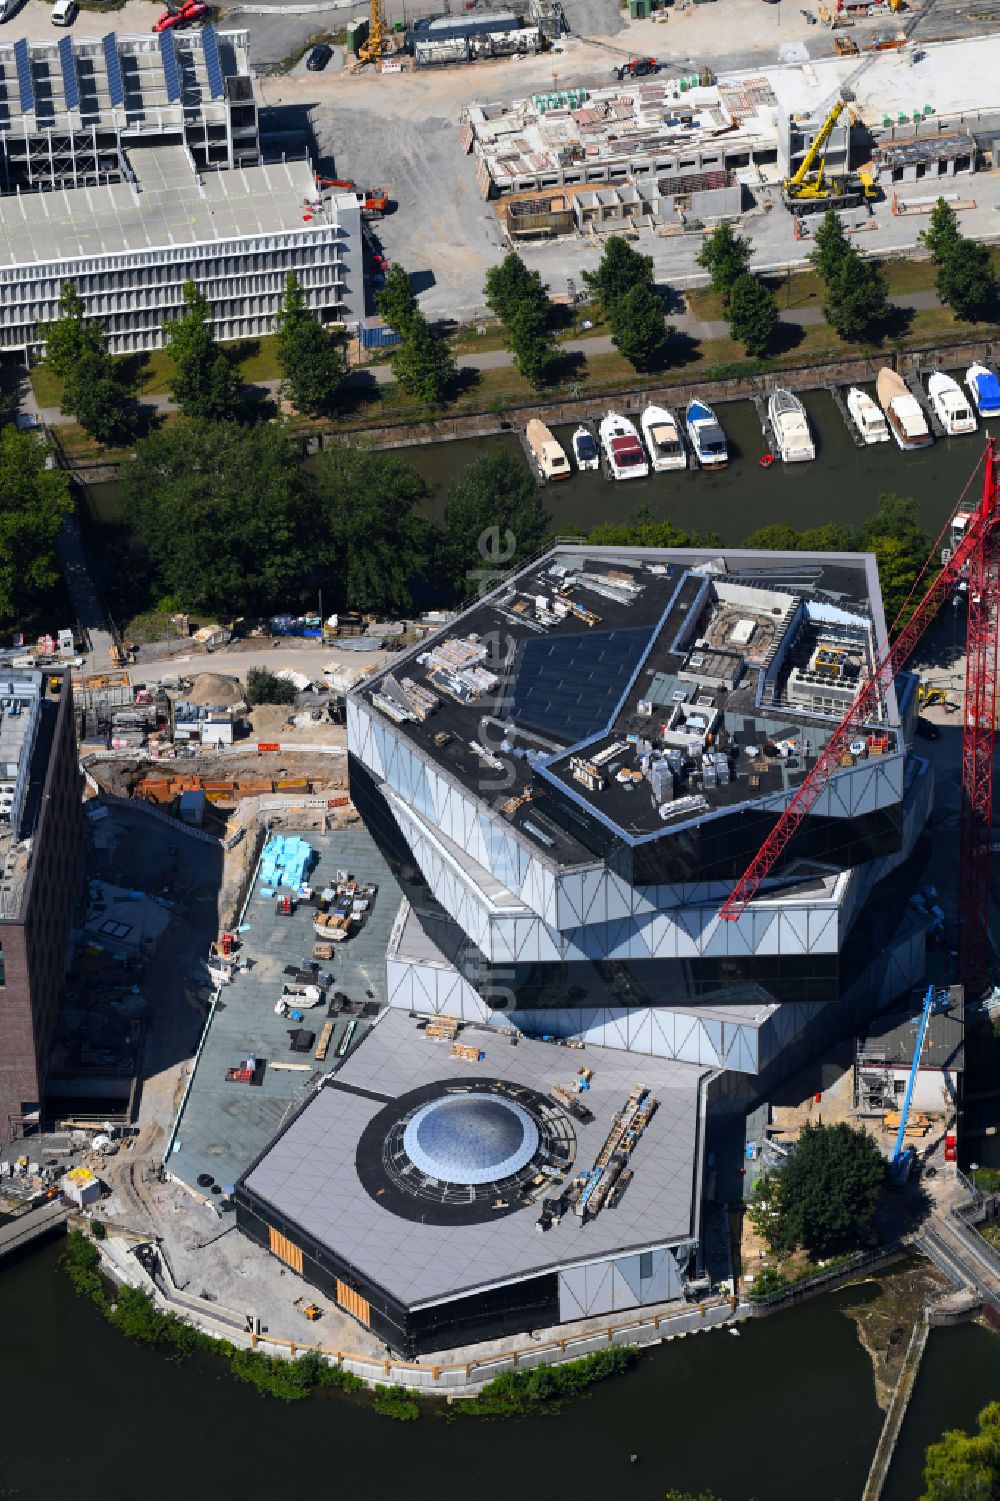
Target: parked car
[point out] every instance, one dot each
(319, 57)
(172, 19)
(64, 12)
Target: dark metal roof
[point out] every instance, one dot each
(893, 1035)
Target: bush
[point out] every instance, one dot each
(392, 1403)
(546, 1387)
(98, 1230)
(265, 687)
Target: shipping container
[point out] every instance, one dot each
(376, 334)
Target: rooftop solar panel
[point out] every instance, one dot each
(213, 66)
(171, 72)
(25, 85)
(570, 685)
(71, 83)
(116, 84)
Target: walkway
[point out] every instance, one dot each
(499, 359)
(45, 1220)
(87, 604)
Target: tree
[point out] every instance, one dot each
(753, 314)
(66, 337)
(621, 268)
(312, 362)
(204, 384)
(963, 1466)
(966, 281)
(832, 246)
(265, 687)
(423, 363)
(638, 330)
(641, 531)
(224, 512)
(726, 256)
(521, 302)
(856, 301)
(942, 233)
(778, 537)
(827, 1191)
(493, 516)
(396, 302)
(94, 391)
(34, 502)
(371, 541)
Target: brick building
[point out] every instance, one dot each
(41, 878)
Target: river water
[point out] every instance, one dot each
(784, 1412)
(842, 485)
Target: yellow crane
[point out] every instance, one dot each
(810, 184)
(379, 43)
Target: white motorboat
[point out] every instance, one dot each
(664, 441)
(548, 455)
(790, 426)
(949, 405)
(984, 388)
(706, 436)
(868, 420)
(625, 455)
(585, 450)
(903, 411)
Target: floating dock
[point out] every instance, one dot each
(916, 387)
(837, 392)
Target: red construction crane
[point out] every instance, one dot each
(979, 548)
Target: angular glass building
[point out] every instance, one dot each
(569, 777)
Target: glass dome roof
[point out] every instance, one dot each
(475, 1138)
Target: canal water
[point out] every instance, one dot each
(784, 1411)
(842, 485)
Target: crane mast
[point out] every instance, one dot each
(980, 549)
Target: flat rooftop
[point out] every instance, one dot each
(224, 1126)
(310, 1176)
(123, 82)
(609, 660)
(171, 206)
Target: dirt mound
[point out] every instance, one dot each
(213, 688)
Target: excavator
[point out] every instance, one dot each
(379, 43)
(810, 188)
(374, 201)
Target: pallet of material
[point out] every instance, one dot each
(323, 1046)
(322, 951)
(445, 1027)
(471, 1055)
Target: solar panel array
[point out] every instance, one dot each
(171, 72)
(71, 82)
(25, 85)
(116, 83)
(213, 66)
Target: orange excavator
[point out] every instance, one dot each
(374, 201)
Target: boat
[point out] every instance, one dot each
(903, 411)
(585, 450)
(706, 436)
(949, 405)
(766, 460)
(868, 420)
(790, 426)
(663, 438)
(625, 455)
(984, 388)
(548, 455)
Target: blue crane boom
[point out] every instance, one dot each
(935, 1000)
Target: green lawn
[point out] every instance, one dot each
(256, 360)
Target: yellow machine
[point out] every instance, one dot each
(811, 188)
(379, 43)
